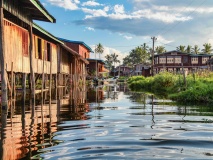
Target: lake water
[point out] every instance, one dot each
(106, 123)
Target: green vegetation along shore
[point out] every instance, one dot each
(197, 87)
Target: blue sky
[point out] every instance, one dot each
(122, 25)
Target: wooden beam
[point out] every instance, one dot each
(4, 96)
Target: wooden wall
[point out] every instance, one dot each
(65, 62)
(17, 51)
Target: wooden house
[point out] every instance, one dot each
(142, 69)
(96, 67)
(122, 71)
(16, 41)
(80, 52)
(78, 46)
(175, 61)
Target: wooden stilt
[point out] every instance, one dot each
(24, 77)
(12, 81)
(32, 75)
(50, 90)
(29, 81)
(4, 96)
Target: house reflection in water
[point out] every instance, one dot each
(28, 127)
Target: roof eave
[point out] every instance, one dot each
(40, 7)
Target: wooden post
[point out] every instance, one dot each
(32, 75)
(4, 96)
(24, 76)
(50, 89)
(184, 76)
(12, 81)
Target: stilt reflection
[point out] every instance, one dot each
(30, 125)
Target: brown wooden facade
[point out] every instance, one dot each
(95, 64)
(27, 49)
(175, 61)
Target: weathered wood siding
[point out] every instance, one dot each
(17, 51)
(17, 10)
(16, 47)
(65, 62)
(38, 61)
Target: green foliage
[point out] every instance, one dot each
(138, 55)
(199, 86)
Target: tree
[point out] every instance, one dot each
(138, 55)
(145, 47)
(188, 49)
(115, 60)
(99, 49)
(160, 49)
(196, 49)
(108, 61)
(181, 48)
(207, 48)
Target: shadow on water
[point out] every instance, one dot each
(103, 122)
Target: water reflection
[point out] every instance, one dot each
(106, 122)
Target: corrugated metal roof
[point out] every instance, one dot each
(76, 42)
(42, 10)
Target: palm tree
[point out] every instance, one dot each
(196, 49)
(160, 49)
(189, 49)
(181, 48)
(207, 48)
(115, 60)
(108, 61)
(145, 47)
(98, 49)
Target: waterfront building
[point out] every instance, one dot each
(175, 61)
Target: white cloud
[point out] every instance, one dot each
(91, 3)
(107, 51)
(119, 9)
(128, 37)
(90, 28)
(94, 12)
(160, 16)
(66, 4)
(162, 13)
(162, 40)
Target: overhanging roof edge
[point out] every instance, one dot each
(46, 33)
(40, 7)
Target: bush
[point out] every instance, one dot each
(199, 86)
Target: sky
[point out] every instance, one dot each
(122, 25)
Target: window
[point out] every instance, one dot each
(194, 60)
(170, 59)
(178, 59)
(39, 50)
(204, 59)
(170, 69)
(25, 48)
(162, 60)
(48, 58)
